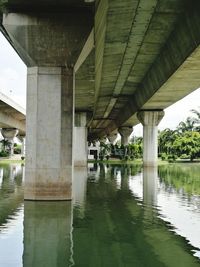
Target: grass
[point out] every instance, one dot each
(6, 160)
(116, 161)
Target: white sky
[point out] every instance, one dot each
(13, 84)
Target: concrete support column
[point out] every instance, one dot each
(112, 138)
(9, 134)
(49, 132)
(150, 120)
(125, 132)
(80, 140)
(22, 140)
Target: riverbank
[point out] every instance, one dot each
(13, 159)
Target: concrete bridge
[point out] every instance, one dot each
(112, 63)
(12, 120)
(12, 115)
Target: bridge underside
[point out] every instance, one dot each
(12, 115)
(106, 59)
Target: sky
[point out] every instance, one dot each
(13, 84)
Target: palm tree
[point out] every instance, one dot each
(196, 119)
(188, 125)
(166, 139)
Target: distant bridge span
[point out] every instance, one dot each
(12, 115)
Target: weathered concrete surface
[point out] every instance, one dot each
(80, 140)
(150, 121)
(47, 39)
(9, 134)
(143, 51)
(112, 137)
(125, 133)
(49, 159)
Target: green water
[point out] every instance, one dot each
(119, 216)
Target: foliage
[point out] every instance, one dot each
(183, 142)
(5, 148)
(2, 5)
(123, 152)
(181, 177)
(104, 151)
(189, 144)
(4, 153)
(196, 119)
(17, 149)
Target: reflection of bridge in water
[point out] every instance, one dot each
(122, 207)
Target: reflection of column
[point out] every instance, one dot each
(150, 120)
(125, 173)
(1, 176)
(150, 185)
(79, 185)
(47, 234)
(9, 134)
(125, 133)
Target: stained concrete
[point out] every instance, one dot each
(49, 131)
(150, 120)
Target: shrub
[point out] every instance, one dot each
(4, 153)
(163, 156)
(184, 156)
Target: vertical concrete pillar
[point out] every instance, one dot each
(112, 137)
(22, 140)
(9, 134)
(80, 140)
(49, 131)
(150, 120)
(125, 133)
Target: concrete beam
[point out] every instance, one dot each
(7, 121)
(43, 39)
(88, 47)
(175, 69)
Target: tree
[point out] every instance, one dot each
(189, 144)
(166, 139)
(196, 119)
(185, 126)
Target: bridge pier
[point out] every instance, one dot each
(9, 134)
(112, 137)
(49, 44)
(22, 140)
(150, 120)
(80, 142)
(125, 133)
(49, 122)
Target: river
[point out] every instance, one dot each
(120, 215)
